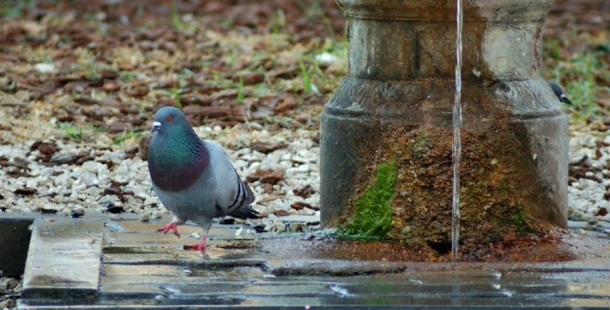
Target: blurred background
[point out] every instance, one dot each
(228, 61)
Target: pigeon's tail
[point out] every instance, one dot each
(245, 213)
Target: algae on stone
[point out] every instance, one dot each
(372, 213)
(520, 221)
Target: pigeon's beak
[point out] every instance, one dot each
(155, 126)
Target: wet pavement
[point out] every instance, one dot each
(144, 269)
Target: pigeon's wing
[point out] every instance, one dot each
(230, 194)
(245, 211)
(559, 92)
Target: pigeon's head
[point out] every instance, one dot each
(167, 119)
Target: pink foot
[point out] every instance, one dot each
(201, 246)
(169, 227)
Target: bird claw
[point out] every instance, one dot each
(196, 247)
(172, 226)
(201, 246)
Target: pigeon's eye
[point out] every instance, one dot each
(170, 117)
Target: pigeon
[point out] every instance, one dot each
(559, 93)
(193, 178)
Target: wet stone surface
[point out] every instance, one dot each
(142, 268)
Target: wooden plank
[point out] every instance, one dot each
(64, 259)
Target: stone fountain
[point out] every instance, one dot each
(386, 135)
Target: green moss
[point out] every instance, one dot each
(514, 213)
(519, 222)
(372, 214)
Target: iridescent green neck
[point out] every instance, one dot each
(176, 159)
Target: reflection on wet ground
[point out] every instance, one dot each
(141, 268)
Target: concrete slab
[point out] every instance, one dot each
(63, 259)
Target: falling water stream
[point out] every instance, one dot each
(457, 143)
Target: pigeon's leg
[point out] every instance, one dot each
(201, 246)
(172, 226)
(205, 223)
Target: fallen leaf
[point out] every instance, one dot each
(280, 212)
(25, 191)
(139, 91)
(46, 149)
(224, 93)
(265, 176)
(109, 74)
(304, 192)
(111, 86)
(285, 104)
(250, 78)
(86, 100)
(266, 147)
(302, 205)
(206, 111)
(117, 127)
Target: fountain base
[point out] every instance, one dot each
(513, 169)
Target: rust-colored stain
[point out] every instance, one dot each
(501, 196)
(556, 246)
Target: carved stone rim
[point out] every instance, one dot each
(497, 11)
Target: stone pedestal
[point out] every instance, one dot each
(387, 132)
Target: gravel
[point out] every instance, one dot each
(589, 190)
(9, 290)
(56, 175)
